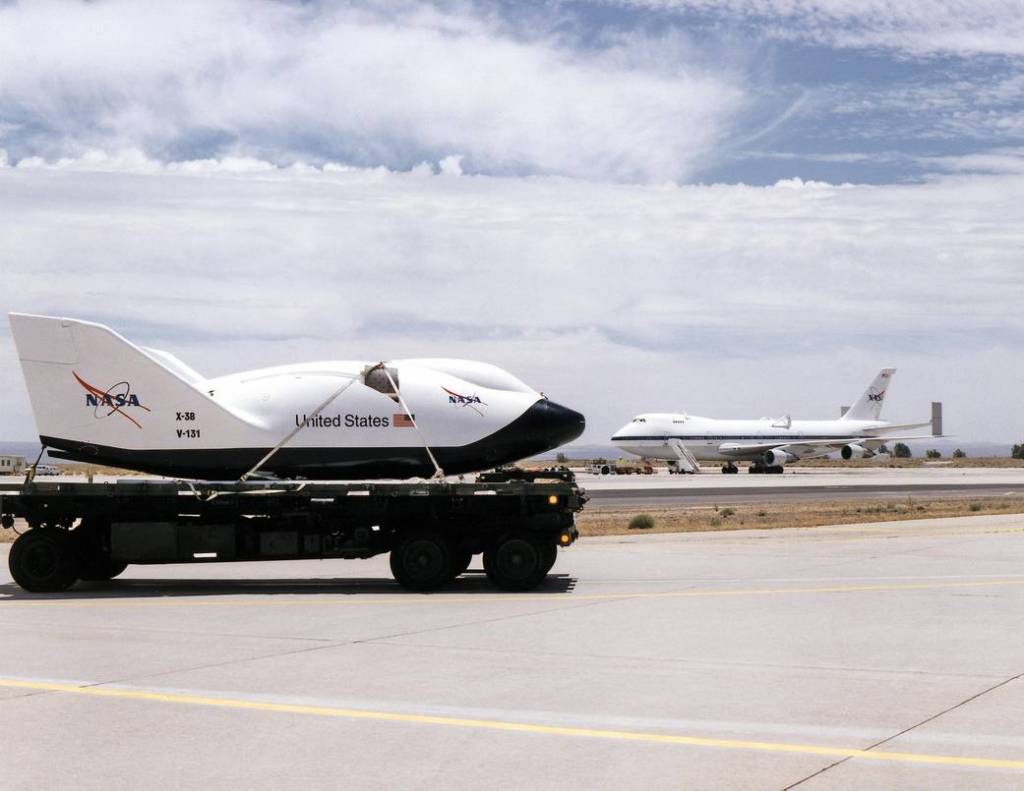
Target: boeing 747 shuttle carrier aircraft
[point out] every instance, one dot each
(768, 443)
(101, 399)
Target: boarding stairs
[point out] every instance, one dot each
(684, 457)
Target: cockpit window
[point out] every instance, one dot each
(377, 379)
(639, 420)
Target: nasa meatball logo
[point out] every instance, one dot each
(874, 394)
(112, 401)
(471, 401)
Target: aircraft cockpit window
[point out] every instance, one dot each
(639, 420)
(377, 379)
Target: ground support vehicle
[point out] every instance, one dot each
(634, 468)
(432, 529)
(605, 467)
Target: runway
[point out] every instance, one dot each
(802, 484)
(872, 656)
(796, 484)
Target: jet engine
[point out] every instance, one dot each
(776, 458)
(856, 452)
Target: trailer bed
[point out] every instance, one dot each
(92, 531)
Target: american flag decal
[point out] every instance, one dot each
(403, 421)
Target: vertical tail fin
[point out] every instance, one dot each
(90, 387)
(869, 405)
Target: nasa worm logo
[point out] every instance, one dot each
(472, 401)
(114, 400)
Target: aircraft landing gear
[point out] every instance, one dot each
(760, 468)
(730, 469)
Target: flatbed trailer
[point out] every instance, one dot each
(432, 529)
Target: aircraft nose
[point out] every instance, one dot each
(556, 423)
(542, 427)
(623, 433)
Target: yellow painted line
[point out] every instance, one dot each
(302, 599)
(515, 727)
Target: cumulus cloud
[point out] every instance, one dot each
(614, 298)
(368, 83)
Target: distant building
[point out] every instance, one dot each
(12, 465)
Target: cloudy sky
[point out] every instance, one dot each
(735, 208)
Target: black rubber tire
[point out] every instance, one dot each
(516, 564)
(422, 562)
(461, 558)
(43, 560)
(550, 556)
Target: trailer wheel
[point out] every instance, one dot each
(461, 558)
(43, 560)
(422, 562)
(516, 564)
(550, 555)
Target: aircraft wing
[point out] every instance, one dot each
(804, 450)
(812, 448)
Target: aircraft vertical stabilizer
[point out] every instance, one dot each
(89, 385)
(869, 405)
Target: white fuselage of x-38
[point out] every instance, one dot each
(99, 398)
